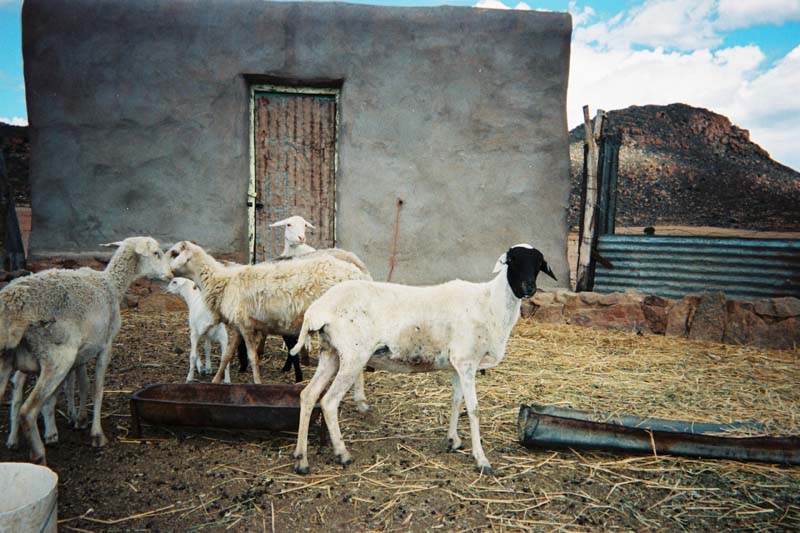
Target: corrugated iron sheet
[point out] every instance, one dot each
(295, 152)
(672, 266)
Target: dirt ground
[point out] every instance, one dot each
(402, 479)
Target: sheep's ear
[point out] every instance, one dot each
(112, 244)
(499, 265)
(279, 223)
(546, 270)
(309, 224)
(143, 247)
(181, 260)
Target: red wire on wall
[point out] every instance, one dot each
(394, 243)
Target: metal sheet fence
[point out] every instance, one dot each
(672, 266)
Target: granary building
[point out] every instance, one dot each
(208, 120)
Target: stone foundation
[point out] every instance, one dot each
(709, 316)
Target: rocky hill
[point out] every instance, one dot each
(16, 151)
(682, 165)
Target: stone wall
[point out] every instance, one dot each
(709, 316)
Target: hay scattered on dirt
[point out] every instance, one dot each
(402, 478)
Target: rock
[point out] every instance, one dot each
(590, 298)
(543, 297)
(527, 307)
(708, 323)
(783, 335)
(655, 310)
(778, 308)
(620, 317)
(679, 316)
(550, 313)
(564, 296)
(740, 322)
(159, 302)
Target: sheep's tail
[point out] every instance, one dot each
(310, 324)
(302, 339)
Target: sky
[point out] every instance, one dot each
(739, 58)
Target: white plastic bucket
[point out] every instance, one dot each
(29, 498)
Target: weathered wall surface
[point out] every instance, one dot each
(140, 125)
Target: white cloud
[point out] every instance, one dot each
(615, 63)
(733, 14)
(497, 4)
(672, 24)
(15, 121)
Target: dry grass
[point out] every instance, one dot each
(403, 480)
(570, 491)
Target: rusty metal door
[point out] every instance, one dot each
(295, 167)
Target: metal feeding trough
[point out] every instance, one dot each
(237, 406)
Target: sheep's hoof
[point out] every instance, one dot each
(485, 470)
(12, 444)
(300, 469)
(38, 460)
(51, 439)
(452, 447)
(362, 407)
(98, 441)
(298, 456)
(82, 423)
(344, 460)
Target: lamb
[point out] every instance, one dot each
(457, 326)
(57, 319)
(202, 327)
(268, 297)
(77, 417)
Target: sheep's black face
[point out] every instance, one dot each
(524, 265)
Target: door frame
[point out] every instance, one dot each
(251, 185)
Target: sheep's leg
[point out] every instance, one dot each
(327, 367)
(223, 346)
(233, 341)
(358, 394)
(52, 373)
(345, 378)
(467, 377)
(453, 440)
(207, 348)
(192, 356)
(82, 421)
(98, 438)
(68, 388)
(251, 342)
(241, 352)
(17, 389)
(289, 341)
(49, 415)
(6, 367)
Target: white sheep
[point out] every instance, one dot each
(294, 243)
(294, 236)
(203, 326)
(77, 417)
(294, 240)
(265, 298)
(67, 318)
(457, 326)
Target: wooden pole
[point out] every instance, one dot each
(589, 208)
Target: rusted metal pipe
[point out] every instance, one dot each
(661, 424)
(540, 430)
